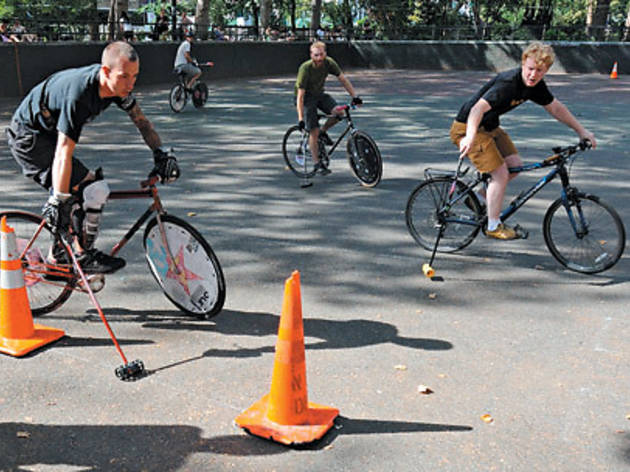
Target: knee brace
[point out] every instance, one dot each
(93, 196)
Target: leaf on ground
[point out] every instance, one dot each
(424, 389)
(400, 367)
(487, 418)
(23, 434)
(539, 267)
(433, 296)
(192, 213)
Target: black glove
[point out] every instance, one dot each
(357, 100)
(301, 125)
(56, 212)
(165, 166)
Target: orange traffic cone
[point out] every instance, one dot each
(18, 334)
(285, 415)
(613, 74)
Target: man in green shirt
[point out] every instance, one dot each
(309, 89)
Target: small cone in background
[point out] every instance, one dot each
(613, 74)
(18, 334)
(285, 415)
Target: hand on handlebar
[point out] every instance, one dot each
(588, 140)
(56, 212)
(166, 167)
(356, 101)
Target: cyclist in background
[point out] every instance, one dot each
(310, 95)
(45, 130)
(185, 63)
(477, 133)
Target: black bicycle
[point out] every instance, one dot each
(582, 232)
(179, 93)
(180, 259)
(363, 154)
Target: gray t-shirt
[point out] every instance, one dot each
(180, 57)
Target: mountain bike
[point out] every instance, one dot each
(178, 96)
(179, 258)
(363, 154)
(582, 232)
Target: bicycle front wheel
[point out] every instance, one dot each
(192, 279)
(44, 295)
(177, 98)
(364, 159)
(431, 208)
(585, 234)
(296, 152)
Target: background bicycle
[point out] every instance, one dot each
(582, 232)
(179, 258)
(364, 156)
(178, 96)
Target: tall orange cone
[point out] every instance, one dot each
(613, 74)
(18, 334)
(285, 415)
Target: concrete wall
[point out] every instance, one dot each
(24, 65)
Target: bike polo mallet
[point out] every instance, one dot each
(427, 268)
(305, 182)
(129, 371)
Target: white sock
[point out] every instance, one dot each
(492, 224)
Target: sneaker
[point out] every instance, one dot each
(325, 138)
(94, 261)
(321, 169)
(503, 232)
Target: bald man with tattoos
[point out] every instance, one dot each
(44, 133)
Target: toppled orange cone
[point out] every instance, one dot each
(18, 334)
(285, 415)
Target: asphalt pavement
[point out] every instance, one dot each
(527, 362)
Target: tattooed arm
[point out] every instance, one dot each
(145, 127)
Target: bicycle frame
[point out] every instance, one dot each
(521, 198)
(349, 128)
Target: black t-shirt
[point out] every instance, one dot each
(71, 96)
(505, 92)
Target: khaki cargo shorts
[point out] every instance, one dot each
(489, 147)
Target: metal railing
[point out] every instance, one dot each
(99, 31)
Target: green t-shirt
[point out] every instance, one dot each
(312, 79)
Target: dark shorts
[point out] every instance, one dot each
(312, 103)
(34, 151)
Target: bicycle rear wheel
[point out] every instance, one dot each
(194, 282)
(44, 295)
(296, 152)
(200, 94)
(177, 98)
(364, 159)
(586, 236)
(427, 211)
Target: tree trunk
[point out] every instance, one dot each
(626, 30)
(94, 23)
(600, 18)
(112, 21)
(316, 16)
(265, 17)
(202, 18)
(347, 19)
(292, 7)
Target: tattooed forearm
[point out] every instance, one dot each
(145, 127)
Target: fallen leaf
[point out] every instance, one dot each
(424, 389)
(487, 418)
(602, 241)
(433, 295)
(628, 416)
(191, 213)
(330, 446)
(539, 267)
(400, 367)
(620, 431)
(23, 434)
(418, 311)
(441, 376)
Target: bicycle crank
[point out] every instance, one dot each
(95, 281)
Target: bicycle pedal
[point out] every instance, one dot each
(95, 281)
(521, 232)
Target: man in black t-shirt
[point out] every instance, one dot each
(477, 133)
(45, 130)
